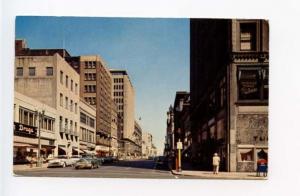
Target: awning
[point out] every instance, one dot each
(77, 150)
(62, 148)
(89, 152)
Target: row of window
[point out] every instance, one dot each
(85, 119)
(116, 87)
(32, 71)
(119, 100)
(90, 76)
(72, 107)
(89, 88)
(29, 117)
(118, 80)
(119, 93)
(87, 135)
(68, 125)
(72, 85)
(90, 64)
(90, 100)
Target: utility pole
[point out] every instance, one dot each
(41, 118)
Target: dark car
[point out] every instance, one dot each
(161, 162)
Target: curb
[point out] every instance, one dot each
(219, 177)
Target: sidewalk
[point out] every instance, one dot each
(221, 175)
(27, 167)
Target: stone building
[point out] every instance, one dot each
(44, 75)
(27, 122)
(137, 139)
(87, 134)
(148, 148)
(124, 97)
(229, 92)
(96, 89)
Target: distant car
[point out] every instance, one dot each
(60, 161)
(89, 163)
(161, 162)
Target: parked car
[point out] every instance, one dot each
(161, 162)
(89, 163)
(60, 161)
(75, 158)
(83, 163)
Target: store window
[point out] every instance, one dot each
(246, 155)
(253, 83)
(248, 36)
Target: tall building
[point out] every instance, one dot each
(229, 92)
(44, 75)
(96, 89)
(148, 148)
(124, 97)
(137, 139)
(87, 134)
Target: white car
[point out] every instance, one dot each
(60, 161)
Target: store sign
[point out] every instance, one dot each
(24, 130)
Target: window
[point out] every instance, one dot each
(66, 102)
(248, 36)
(71, 85)
(31, 71)
(75, 108)
(27, 117)
(49, 71)
(60, 123)
(19, 71)
(92, 122)
(76, 88)
(222, 92)
(61, 77)
(61, 100)
(253, 83)
(67, 78)
(71, 105)
(83, 118)
(245, 155)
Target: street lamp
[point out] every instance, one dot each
(41, 117)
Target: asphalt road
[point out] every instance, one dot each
(122, 169)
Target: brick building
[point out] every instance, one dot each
(229, 92)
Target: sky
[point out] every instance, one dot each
(154, 51)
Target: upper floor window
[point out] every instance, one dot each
(61, 77)
(67, 79)
(31, 71)
(61, 100)
(71, 85)
(19, 71)
(76, 88)
(49, 71)
(248, 36)
(253, 83)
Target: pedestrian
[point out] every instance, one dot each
(216, 163)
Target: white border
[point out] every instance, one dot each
(284, 96)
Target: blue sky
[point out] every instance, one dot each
(155, 52)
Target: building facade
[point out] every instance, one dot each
(87, 134)
(229, 92)
(44, 75)
(148, 148)
(27, 123)
(96, 89)
(124, 97)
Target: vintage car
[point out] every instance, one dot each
(60, 161)
(86, 163)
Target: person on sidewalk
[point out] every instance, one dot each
(216, 163)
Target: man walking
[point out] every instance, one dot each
(216, 163)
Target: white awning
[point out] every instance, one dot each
(62, 148)
(89, 152)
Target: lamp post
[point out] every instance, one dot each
(41, 117)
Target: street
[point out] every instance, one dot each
(122, 169)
